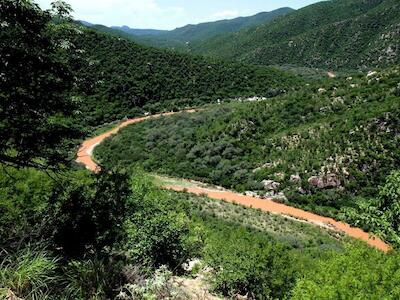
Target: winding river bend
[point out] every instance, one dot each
(84, 157)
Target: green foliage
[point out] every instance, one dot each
(159, 286)
(29, 273)
(382, 214)
(91, 279)
(295, 234)
(97, 224)
(24, 198)
(158, 232)
(357, 273)
(249, 263)
(180, 38)
(348, 130)
(330, 34)
(118, 78)
(88, 212)
(36, 111)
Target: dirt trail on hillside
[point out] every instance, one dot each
(84, 157)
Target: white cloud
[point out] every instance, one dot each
(134, 13)
(226, 14)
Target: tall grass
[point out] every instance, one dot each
(28, 274)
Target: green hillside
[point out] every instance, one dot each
(317, 148)
(204, 31)
(70, 234)
(331, 34)
(179, 38)
(119, 78)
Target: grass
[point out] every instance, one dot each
(28, 274)
(293, 232)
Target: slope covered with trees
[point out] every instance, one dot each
(179, 38)
(118, 78)
(331, 34)
(68, 234)
(318, 147)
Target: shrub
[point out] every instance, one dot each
(92, 279)
(356, 273)
(87, 212)
(249, 263)
(158, 231)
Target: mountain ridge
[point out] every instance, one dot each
(329, 34)
(178, 38)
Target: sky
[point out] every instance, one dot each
(169, 14)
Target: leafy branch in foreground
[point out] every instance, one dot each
(36, 110)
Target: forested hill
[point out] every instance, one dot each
(117, 78)
(330, 34)
(207, 30)
(178, 38)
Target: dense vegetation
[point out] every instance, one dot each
(118, 78)
(68, 234)
(331, 34)
(34, 124)
(179, 38)
(93, 237)
(320, 147)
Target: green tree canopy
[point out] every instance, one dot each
(35, 107)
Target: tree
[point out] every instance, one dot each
(36, 110)
(61, 10)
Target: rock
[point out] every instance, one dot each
(332, 180)
(301, 190)
(331, 75)
(321, 90)
(251, 194)
(270, 185)
(280, 196)
(275, 196)
(315, 181)
(265, 166)
(190, 265)
(327, 181)
(337, 100)
(371, 73)
(295, 178)
(269, 195)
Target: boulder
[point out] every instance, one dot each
(251, 194)
(270, 185)
(327, 181)
(295, 178)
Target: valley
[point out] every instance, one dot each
(251, 154)
(84, 157)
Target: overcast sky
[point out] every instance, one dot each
(169, 14)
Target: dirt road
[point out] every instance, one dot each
(84, 157)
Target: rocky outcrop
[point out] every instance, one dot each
(275, 196)
(270, 185)
(325, 181)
